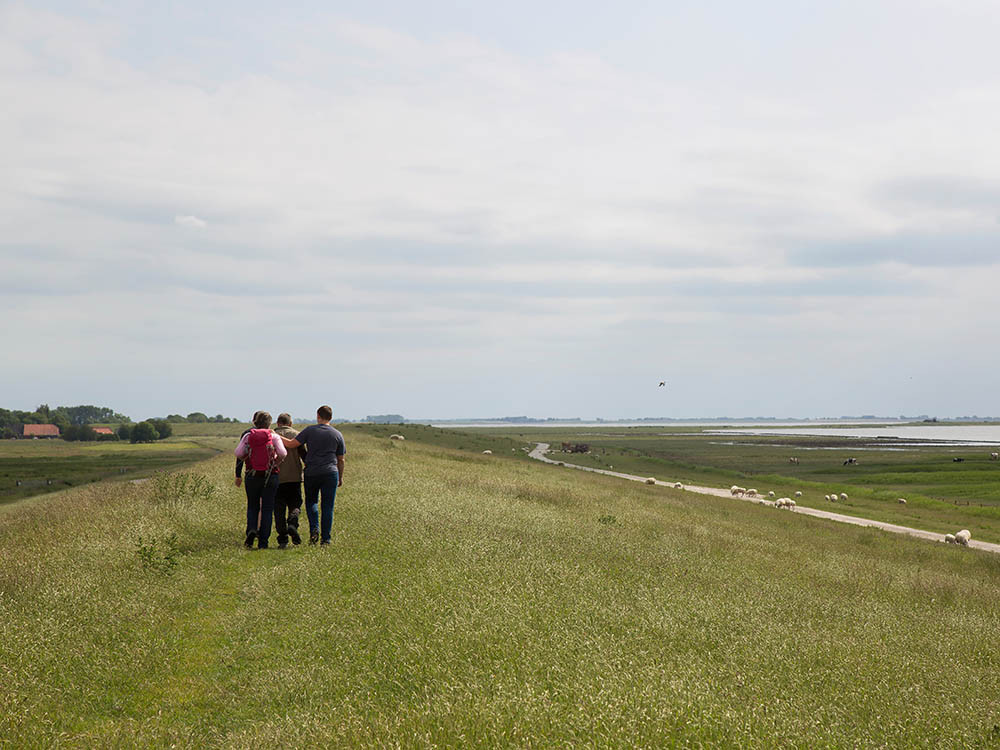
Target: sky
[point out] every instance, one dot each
(457, 209)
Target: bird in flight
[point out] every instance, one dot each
(662, 383)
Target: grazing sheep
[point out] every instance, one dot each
(396, 437)
(487, 453)
(995, 456)
(793, 460)
(790, 504)
(751, 492)
(902, 501)
(963, 537)
(843, 496)
(851, 462)
(770, 494)
(949, 538)
(826, 497)
(738, 491)
(678, 486)
(798, 493)
(651, 480)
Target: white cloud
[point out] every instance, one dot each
(190, 221)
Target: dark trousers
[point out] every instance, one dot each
(324, 485)
(260, 500)
(287, 506)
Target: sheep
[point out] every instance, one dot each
(798, 493)
(487, 453)
(958, 459)
(793, 460)
(851, 462)
(678, 486)
(651, 480)
(843, 496)
(770, 494)
(949, 538)
(995, 456)
(751, 492)
(826, 497)
(396, 437)
(790, 505)
(737, 491)
(963, 537)
(901, 501)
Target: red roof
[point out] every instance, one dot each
(41, 430)
(103, 431)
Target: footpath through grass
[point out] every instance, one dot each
(472, 600)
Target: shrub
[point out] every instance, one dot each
(144, 432)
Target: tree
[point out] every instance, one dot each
(197, 416)
(162, 427)
(124, 431)
(83, 432)
(144, 432)
(176, 419)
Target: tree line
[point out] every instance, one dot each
(74, 423)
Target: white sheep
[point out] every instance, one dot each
(770, 494)
(963, 537)
(487, 453)
(793, 460)
(791, 504)
(995, 456)
(651, 480)
(751, 492)
(949, 538)
(843, 495)
(901, 501)
(798, 493)
(396, 437)
(678, 486)
(826, 497)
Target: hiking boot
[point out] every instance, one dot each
(294, 534)
(282, 545)
(313, 537)
(251, 536)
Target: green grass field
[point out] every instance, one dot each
(942, 495)
(484, 601)
(43, 466)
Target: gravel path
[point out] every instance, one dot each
(541, 449)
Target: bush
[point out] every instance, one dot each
(162, 427)
(144, 432)
(124, 431)
(82, 432)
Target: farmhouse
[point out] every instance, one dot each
(39, 431)
(104, 431)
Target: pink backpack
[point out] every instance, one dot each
(261, 455)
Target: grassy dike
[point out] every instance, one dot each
(472, 600)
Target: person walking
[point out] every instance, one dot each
(239, 461)
(262, 451)
(324, 471)
(288, 499)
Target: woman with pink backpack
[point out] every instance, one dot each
(262, 451)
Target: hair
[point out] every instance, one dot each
(262, 420)
(284, 418)
(325, 412)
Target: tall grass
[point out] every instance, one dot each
(481, 603)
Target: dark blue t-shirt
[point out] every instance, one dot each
(323, 444)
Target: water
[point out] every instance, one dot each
(971, 434)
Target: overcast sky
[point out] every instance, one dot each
(457, 209)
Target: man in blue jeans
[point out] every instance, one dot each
(323, 473)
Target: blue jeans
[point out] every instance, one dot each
(260, 499)
(324, 486)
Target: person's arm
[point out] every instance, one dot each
(289, 442)
(241, 453)
(279, 447)
(340, 470)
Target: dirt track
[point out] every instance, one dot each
(541, 448)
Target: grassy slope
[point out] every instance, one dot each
(35, 462)
(942, 496)
(473, 600)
